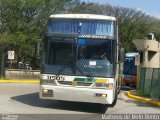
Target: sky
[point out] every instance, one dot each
(150, 7)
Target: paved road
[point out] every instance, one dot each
(17, 98)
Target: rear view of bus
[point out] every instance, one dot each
(80, 59)
(130, 69)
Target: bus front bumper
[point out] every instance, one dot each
(76, 94)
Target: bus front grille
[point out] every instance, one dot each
(75, 83)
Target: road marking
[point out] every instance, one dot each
(142, 99)
(19, 81)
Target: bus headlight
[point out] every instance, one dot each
(47, 93)
(47, 82)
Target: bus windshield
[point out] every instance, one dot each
(129, 66)
(82, 57)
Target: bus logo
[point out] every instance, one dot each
(74, 83)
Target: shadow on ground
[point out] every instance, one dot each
(33, 100)
(127, 88)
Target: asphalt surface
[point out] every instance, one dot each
(22, 99)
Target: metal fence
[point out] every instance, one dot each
(149, 84)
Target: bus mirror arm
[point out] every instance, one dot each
(121, 53)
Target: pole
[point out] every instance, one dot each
(2, 64)
(11, 64)
(138, 77)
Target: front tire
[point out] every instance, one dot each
(103, 108)
(127, 84)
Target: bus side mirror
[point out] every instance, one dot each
(121, 55)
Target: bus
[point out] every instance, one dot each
(130, 68)
(81, 59)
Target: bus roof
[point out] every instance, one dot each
(83, 16)
(131, 54)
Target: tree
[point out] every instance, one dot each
(133, 24)
(155, 29)
(22, 22)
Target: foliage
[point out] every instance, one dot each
(23, 22)
(133, 24)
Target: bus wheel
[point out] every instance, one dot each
(127, 84)
(103, 108)
(119, 90)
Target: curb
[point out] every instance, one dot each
(141, 99)
(19, 81)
